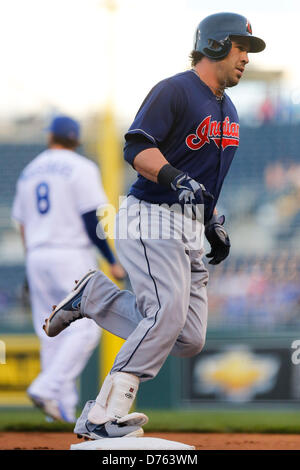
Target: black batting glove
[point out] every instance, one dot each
(218, 239)
(189, 191)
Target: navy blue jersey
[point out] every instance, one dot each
(183, 118)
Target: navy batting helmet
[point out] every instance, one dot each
(214, 34)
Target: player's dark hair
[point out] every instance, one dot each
(65, 142)
(195, 57)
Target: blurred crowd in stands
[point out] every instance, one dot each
(255, 293)
(282, 175)
(277, 110)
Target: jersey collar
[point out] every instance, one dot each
(206, 87)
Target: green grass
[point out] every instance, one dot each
(251, 421)
(225, 421)
(29, 420)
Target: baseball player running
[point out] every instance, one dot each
(55, 204)
(181, 143)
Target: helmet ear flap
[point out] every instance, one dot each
(217, 50)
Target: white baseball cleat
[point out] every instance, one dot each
(128, 426)
(68, 309)
(51, 408)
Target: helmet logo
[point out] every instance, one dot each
(248, 27)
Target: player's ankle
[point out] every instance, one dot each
(115, 398)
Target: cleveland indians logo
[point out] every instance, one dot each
(209, 129)
(248, 27)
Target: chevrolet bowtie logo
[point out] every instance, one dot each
(236, 374)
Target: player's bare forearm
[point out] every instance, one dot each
(149, 162)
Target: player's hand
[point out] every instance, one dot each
(190, 191)
(117, 271)
(218, 239)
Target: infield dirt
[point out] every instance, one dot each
(211, 441)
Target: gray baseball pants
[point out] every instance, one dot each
(167, 314)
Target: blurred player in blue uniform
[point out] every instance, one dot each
(181, 144)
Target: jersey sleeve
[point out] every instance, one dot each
(89, 192)
(17, 212)
(136, 143)
(157, 113)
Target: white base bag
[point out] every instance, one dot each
(131, 443)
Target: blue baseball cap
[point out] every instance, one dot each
(65, 126)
